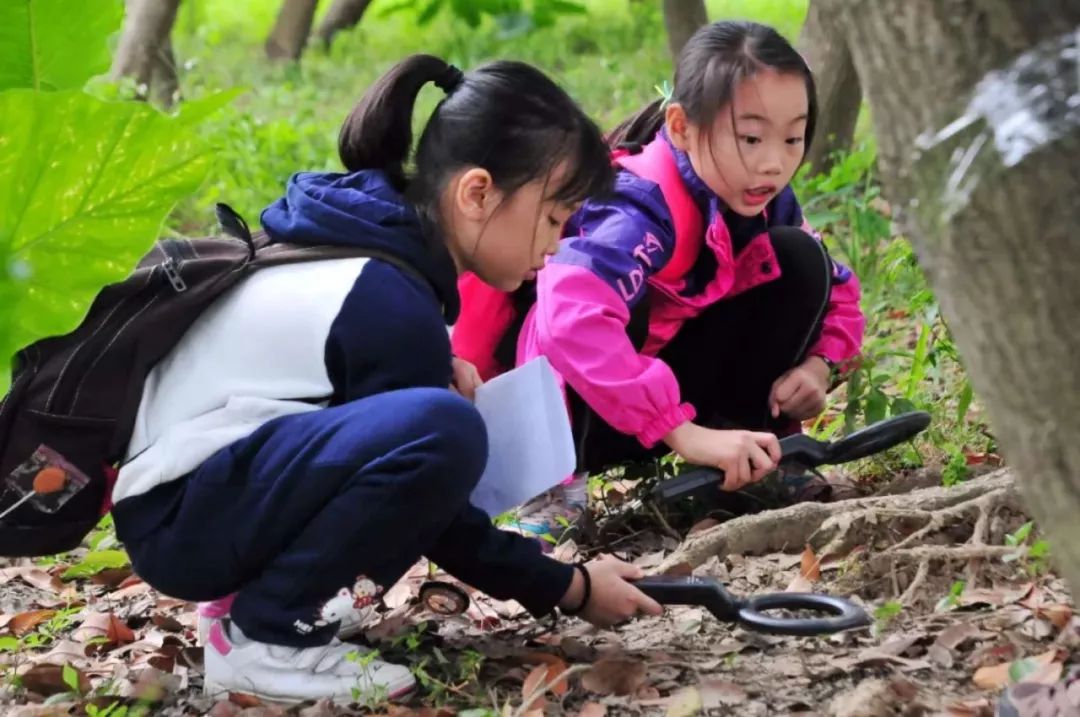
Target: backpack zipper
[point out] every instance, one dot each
(172, 265)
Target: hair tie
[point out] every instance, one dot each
(449, 79)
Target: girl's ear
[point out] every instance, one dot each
(474, 194)
(678, 126)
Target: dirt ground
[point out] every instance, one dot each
(963, 605)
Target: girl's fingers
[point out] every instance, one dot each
(771, 444)
(762, 464)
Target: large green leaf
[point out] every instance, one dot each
(85, 186)
(55, 44)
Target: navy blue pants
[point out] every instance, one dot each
(307, 503)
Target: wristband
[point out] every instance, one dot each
(586, 593)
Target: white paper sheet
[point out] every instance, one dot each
(530, 447)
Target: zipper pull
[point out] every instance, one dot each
(171, 266)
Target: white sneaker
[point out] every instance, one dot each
(276, 673)
(353, 613)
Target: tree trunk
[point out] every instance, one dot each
(977, 112)
(342, 15)
(291, 29)
(839, 94)
(164, 83)
(681, 19)
(147, 25)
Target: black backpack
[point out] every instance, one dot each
(67, 419)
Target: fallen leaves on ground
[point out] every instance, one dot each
(1044, 669)
(615, 676)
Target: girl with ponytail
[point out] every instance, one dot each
(303, 433)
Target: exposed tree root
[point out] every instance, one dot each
(887, 526)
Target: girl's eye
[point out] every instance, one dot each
(794, 140)
(553, 221)
(751, 139)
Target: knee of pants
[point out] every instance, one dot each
(804, 263)
(452, 437)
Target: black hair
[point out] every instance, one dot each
(710, 67)
(506, 117)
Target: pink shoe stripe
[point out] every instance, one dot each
(217, 608)
(218, 640)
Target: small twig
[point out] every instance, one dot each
(663, 522)
(540, 691)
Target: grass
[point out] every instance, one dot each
(611, 60)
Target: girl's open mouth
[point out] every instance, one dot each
(759, 195)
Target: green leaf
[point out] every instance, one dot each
(1020, 669)
(877, 403)
(966, 395)
(1020, 535)
(71, 677)
(55, 44)
(95, 562)
(397, 7)
(88, 185)
(429, 12)
(193, 112)
(9, 644)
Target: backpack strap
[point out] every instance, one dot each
(656, 162)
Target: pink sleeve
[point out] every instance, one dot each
(580, 326)
(842, 333)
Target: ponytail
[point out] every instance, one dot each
(378, 132)
(640, 128)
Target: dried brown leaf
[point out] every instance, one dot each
(119, 632)
(680, 570)
(615, 676)
(9, 574)
(940, 656)
(48, 680)
(25, 622)
(956, 635)
(810, 565)
(994, 677)
(996, 596)
(717, 694)
(166, 622)
(971, 708)
(799, 584)
(684, 703)
(648, 692)
(1057, 615)
(244, 700)
(593, 709)
(111, 577)
(224, 708)
(43, 580)
(65, 651)
(531, 689)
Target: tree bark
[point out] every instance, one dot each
(681, 19)
(342, 15)
(147, 25)
(164, 82)
(291, 29)
(977, 112)
(838, 91)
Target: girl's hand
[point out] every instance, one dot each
(744, 456)
(466, 379)
(800, 393)
(613, 598)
